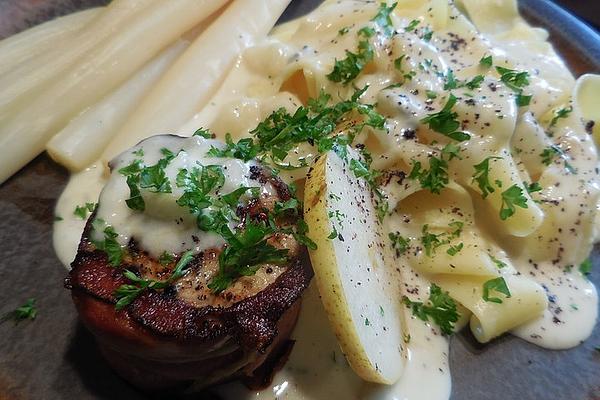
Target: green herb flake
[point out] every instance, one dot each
(586, 267)
(549, 154)
(499, 264)
(22, 313)
(475, 82)
(205, 133)
(383, 19)
(454, 250)
(109, 244)
(82, 211)
(440, 308)
(482, 176)
(412, 25)
(165, 258)
(511, 198)
(533, 187)
(523, 100)
(497, 285)
(445, 122)
(433, 179)
(513, 79)
(486, 61)
(561, 113)
(400, 244)
(344, 30)
(126, 294)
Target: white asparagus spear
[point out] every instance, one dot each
(196, 75)
(28, 44)
(24, 134)
(81, 142)
(19, 85)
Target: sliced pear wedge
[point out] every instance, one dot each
(353, 269)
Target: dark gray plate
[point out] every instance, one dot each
(53, 357)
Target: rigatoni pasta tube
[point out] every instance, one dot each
(195, 76)
(81, 142)
(27, 131)
(490, 319)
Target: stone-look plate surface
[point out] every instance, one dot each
(54, 357)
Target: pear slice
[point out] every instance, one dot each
(354, 269)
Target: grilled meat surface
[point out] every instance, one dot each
(186, 334)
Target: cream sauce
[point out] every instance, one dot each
(267, 78)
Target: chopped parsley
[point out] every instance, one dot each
(82, 211)
(26, 311)
(431, 241)
(400, 244)
(533, 187)
(344, 30)
(153, 178)
(383, 20)
(433, 179)
(440, 307)
(445, 122)
(412, 25)
(205, 133)
(497, 285)
(586, 267)
(109, 244)
(361, 169)
(511, 198)
(165, 258)
(427, 34)
(561, 113)
(482, 176)
(549, 154)
(516, 81)
(486, 61)
(125, 294)
(513, 79)
(454, 250)
(500, 264)
(346, 70)
(246, 250)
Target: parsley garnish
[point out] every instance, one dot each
(82, 211)
(432, 241)
(435, 178)
(475, 82)
(245, 251)
(523, 100)
(497, 285)
(486, 61)
(586, 267)
(500, 264)
(441, 308)
(205, 133)
(399, 243)
(138, 152)
(26, 311)
(349, 68)
(412, 25)
(550, 153)
(362, 170)
(453, 250)
(109, 245)
(533, 187)
(343, 31)
(427, 34)
(511, 198)
(445, 122)
(515, 80)
(382, 18)
(125, 294)
(561, 113)
(165, 258)
(482, 176)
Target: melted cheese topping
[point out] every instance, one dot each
(538, 249)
